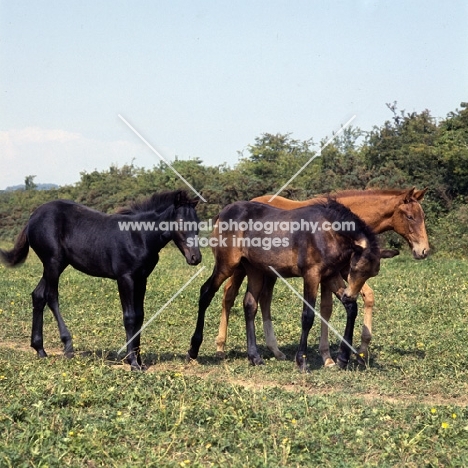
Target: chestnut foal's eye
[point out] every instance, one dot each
(409, 217)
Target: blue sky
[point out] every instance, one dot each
(204, 78)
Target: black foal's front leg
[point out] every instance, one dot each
(139, 299)
(346, 345)
(132, 318)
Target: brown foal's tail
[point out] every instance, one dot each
(18, 254)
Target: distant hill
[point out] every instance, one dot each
(38, 187)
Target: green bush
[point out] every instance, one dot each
(450, 234)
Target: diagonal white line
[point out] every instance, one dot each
(181, 177)
(161, 309)
(313, 310)
(312, 158)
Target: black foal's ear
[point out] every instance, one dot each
(180, 199)
(194, 202)
(389, 253)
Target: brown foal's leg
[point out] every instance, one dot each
(335, 285)
(229, 296)
(326, 307)
(265, 305)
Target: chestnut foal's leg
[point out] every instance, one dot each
(368, 297)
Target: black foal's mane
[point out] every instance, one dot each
(156, 202)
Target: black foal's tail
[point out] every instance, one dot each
(18, 254)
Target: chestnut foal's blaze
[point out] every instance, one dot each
(65, 233)
(382, 210)
(319, 258)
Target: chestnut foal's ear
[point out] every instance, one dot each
(419, 194)
(409, 195)
(389, 253)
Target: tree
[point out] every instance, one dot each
(273, 160)
(29, 182)
(453, 142)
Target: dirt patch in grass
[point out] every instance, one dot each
(221, 374)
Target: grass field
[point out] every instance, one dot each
(408, 408)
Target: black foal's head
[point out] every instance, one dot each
(186, 234)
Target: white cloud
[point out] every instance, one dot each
(36, 135)
(58, 156)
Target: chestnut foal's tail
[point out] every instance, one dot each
(18, 254)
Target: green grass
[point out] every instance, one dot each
(408, 408)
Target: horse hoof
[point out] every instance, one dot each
(190, 360)
(362, 358)
(69, 354)
(257, 361)
(280, 356)
(138, 368)
(329, 362)
(341, 364)
(41, 354)
(220, 354)
(362, 361)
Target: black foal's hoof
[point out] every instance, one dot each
(190, 360)
(138, 368)
(341, 364)
(256, 361)
(41, 354)
(301, 362)
(69, 352)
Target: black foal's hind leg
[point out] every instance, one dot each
(39, 302)
(52, 298)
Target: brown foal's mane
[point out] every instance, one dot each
(365, 193)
